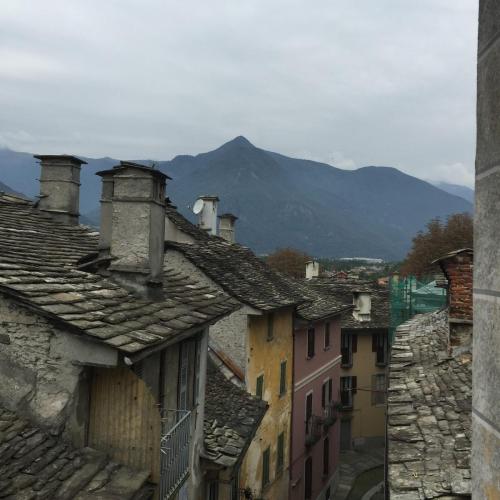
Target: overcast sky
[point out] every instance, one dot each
(348, 82)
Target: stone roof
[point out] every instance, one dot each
(321, 302)
(232, 417)
(39, 268)
(240, 273)
(343, 290)
(183, 224)
(454, 253)
(38, 465)
(429, 413)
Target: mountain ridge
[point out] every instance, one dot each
(282, 201)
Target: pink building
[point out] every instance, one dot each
(315, 440)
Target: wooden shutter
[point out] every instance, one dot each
(280, 460)
(259, 387)
(330, 390)
(265, 466)
(323, 395)
(374, 342)
(308, 478)
(354, 386)
(354, 337)
(282, 378)
(327, 334)
(326, 456)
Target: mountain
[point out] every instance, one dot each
(6, 189)
(463, 191)
(282, 201)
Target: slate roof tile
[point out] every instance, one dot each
(39, 267)
(232, 417)
(429, 420)
(35, 464)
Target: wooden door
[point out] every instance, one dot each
(124, 419)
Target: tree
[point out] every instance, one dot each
(289, 261)
(437, 240)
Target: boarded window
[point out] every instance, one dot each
(310, 342)
(280, 459)
(283, 378)
(259, 387)
(265, 466)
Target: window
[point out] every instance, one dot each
(326, 457)
(310, 342)
(348, 345)
(280, 459)
(308, 478)
(348, 386)
(378, 389)
(327, 335)
(213, 490)
(270, 326)
(326, 393)
(259, 387)
(265, 466)
(379, 346)
(309, 410)
(282, 378)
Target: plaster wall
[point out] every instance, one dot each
(264, 358)
(41, 372)
(309, 376)
(367, 420)
(486, 337)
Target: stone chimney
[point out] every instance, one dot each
(226, 227)
(133, 224)
(362, 305)
(312, 269)
(207, 217)
(60, 187)
(457, 266)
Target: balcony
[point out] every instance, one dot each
(313, 429)
(174, 451)
(330, 413)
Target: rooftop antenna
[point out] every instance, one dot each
(198, 206)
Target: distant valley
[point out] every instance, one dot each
(281, 201)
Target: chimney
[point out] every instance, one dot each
(133, 224)
(312, 269)
(226, 227)
(207, 215)
(60, 187)
(362, 306)
(457, 266)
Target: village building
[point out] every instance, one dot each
(430, 396)
(103, 343)
(254, 345)
(315, 440)
(364, 350)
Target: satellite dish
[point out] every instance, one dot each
(198, 206)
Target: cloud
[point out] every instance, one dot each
(386, 82)
(456, 173)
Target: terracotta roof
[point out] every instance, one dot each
(240, 273)
(232, 417)
(429, 413)
(38, 267)
(38, 465)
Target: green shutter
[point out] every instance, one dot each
(259, 389)
(282, 378)
(265, 466)
(281, 452)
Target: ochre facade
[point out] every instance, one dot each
(264, 358)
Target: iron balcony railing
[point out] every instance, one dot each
(313, 429)
(330, 413)
(174, 451)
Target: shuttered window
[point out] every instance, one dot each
(326, 457)
(282, 378)
(308, 478)
(280, 459)
(259, 387)
(266, 456)
(310, 342)
(327, 335)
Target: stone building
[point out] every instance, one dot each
(486, 338)
(103, 344)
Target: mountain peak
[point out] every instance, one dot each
(240, 141)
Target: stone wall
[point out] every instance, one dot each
(486, 338)
(35, 379)
(459, 273)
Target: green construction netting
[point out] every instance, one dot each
(410, 296)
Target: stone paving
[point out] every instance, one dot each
(352, 464)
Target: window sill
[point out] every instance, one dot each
(326, 348)
(346, 365)
(382, 365)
